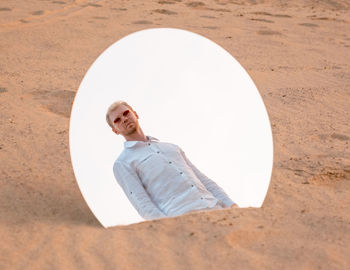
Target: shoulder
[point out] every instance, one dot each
(121, 169)
(120, 160)
(127, 159)
(169, 144)
(123, 156)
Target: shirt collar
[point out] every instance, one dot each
(129, 144)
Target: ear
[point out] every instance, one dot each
(137, 116)
(115, 131)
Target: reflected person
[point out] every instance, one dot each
(157, 177)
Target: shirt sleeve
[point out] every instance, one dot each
(210, 185)
(134, 190)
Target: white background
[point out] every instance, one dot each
(186, 90)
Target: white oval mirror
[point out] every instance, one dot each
(186, 90)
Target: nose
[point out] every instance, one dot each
(125, 119)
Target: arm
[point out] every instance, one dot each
(134, 190)
(210, 185)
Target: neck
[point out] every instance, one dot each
(138, 135)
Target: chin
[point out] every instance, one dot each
(133, 130)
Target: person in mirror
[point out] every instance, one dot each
(157, 177)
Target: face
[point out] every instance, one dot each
(124, 120)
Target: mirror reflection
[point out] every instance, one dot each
(193, 133)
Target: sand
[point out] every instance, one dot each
(298, 55)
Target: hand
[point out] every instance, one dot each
(234, 205)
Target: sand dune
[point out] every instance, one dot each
(298, 55)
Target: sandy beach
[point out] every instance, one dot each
(298, 55)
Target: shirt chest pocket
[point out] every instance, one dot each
(151, 166)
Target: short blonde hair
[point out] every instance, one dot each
(113, 107)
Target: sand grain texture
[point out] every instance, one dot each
(298, 55)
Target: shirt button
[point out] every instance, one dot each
(170, 162)
(201, 198)
(192, 185)
(181, 172)
(149, 144)
(158, 152)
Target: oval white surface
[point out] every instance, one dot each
(187, 90)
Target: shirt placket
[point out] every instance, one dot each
(170, 162)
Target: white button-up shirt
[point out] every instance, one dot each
(160, 181)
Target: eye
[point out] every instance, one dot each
(126, 112)
(117, 120)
